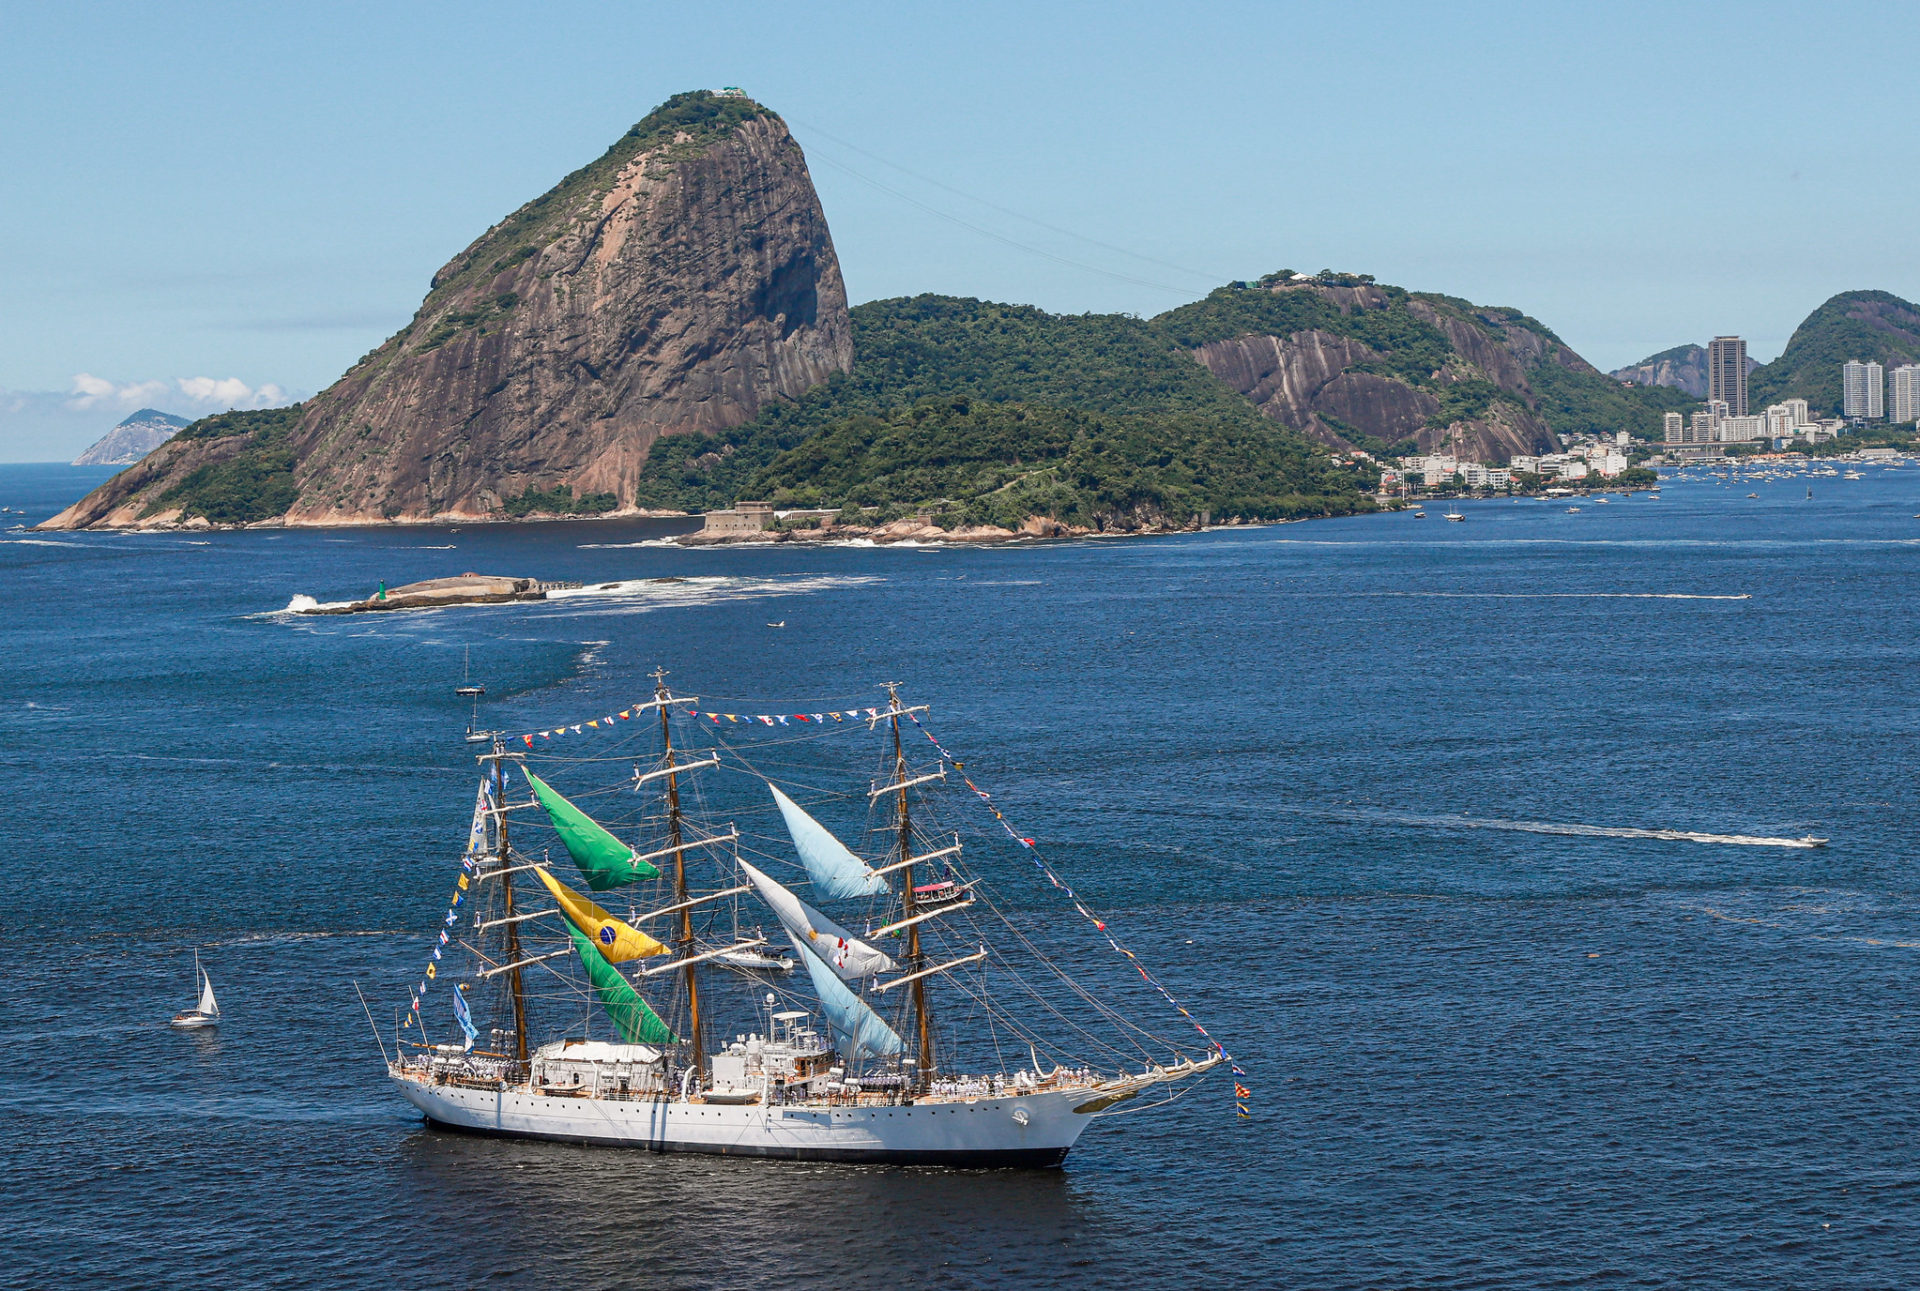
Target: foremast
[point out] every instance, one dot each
(515, 985)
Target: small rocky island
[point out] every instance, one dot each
(466, 589)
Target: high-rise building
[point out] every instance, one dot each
(1780, 422)
(1797, 410)
(1863, 391)
(1675, 428)
(1906, 392)
(1727, 373)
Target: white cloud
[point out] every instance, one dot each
(184, 394)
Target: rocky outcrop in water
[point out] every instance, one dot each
(675, 285)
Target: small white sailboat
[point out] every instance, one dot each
(469, 689)
(206, 1013)
(1455, 517)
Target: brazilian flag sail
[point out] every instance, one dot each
(604, 861)
(636, 1023)
(617, 939)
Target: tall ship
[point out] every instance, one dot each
(662, 938)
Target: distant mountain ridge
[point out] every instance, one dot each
(133, 439)
(666, 329)
(1872, 326)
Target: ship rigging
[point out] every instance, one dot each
(932, 1015)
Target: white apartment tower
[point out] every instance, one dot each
(1906, 392)
(1727, 373)
(1675, 428)
(1863, 391)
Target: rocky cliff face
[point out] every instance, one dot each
(132, 439)
(1362, 365)
(1684, 367)
(675, 285)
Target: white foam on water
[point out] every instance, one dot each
(1587, 831)
(644, 595)
(625, 546)
(299, 604)
(40, 542)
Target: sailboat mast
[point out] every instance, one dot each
(680, 883)
(506, 898)
(922, 1022)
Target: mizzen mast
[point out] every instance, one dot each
(674, 842)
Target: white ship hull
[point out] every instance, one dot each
(1034, 1129)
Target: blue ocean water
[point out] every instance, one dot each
(1346, 784)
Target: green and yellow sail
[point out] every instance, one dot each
(632, 1018)
(617, 940)
(604, 861)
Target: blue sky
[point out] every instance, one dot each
(246, 198)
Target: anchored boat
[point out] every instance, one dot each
(936, 1021)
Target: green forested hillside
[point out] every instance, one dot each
(998, 463)
(1864, 325)
(1557, 386)
(1169, 440)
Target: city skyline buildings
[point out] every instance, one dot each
(1906, 392)
(1863, 391)
(1727, 373)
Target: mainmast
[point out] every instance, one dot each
(514, 983)
(680, 882)
(922, 1021)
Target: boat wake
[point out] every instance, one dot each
(1587, 831)
(1567, 596)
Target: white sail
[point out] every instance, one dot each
(848, 956)
(837, 873)
(207, 1004)
(860, 1031)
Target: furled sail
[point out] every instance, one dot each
(207, 1004)
(859, 1030)
(848, 956)
(836, 872)
(604, 861)
(618, 941)
(632, 1018)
